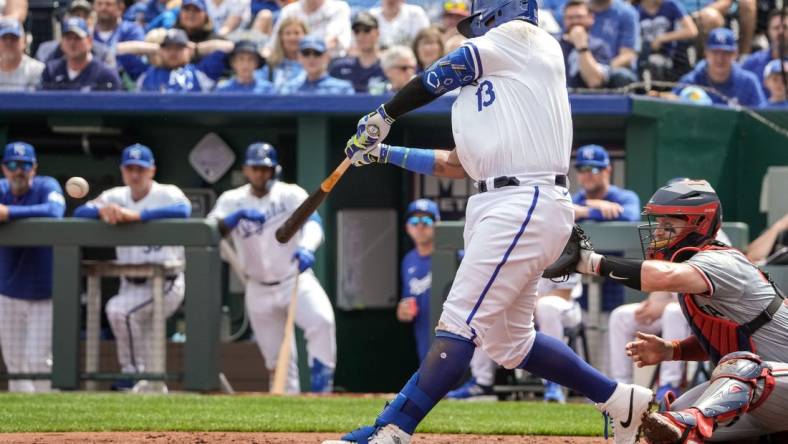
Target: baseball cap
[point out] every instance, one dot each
(249, 47)
(261, 154)
(80, 4)
(456, 7)
(10, 27)
(593, 156)
(137, 154)
(198, 3)
(695, 95)
(722, 39)
(774, 67)
(364, 18)
(424, 206)
(77, 26)
(175, 36)
(313, 43)
(20, 151)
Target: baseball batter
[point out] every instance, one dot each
(513, 133)
(26, 273)
(738, 318)
(252, 213)
(130, 312)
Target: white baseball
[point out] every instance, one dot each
(77, 187)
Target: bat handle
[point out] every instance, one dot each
(328, 183)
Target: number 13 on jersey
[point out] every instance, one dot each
(485, 95)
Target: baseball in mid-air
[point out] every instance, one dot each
(77, 187)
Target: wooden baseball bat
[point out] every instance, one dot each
(283, 359)
(307, 207)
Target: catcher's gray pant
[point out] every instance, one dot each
(769, 417)
(267, 307)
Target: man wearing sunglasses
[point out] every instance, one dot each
(598, 200)
(315, 80)
(26, 273)
(416, 271)
(141, 199)
(512, 131)
(363, 69)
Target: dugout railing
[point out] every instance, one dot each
(202, 304)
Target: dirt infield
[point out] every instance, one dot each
(264, 438)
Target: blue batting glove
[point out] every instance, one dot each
(232, 220)
(305, 259)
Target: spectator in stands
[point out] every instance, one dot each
(18, 71)
(244, 60)
(226, 15)
(586, 57)
(176, 74)
(774, 77)
(399, 22)
(111, 29)
(399, 65)
(326, 19)
(777, 33)
(14, 9)
(428, 47)
(364, 69)
(665, 27)
(282, 64)
(26, 286)
(598, 200)
(769, 242)
(453, 12)
(712, 14)
(51, 49)
(211, 54)
(78, 69)
(616, 24)
(719, 72)
(313, 56)
(264, 13)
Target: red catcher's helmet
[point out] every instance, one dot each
(696, 202)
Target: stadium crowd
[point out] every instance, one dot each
(713, 51)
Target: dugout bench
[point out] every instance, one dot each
(202, 304)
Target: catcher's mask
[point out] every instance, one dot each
(682, 214)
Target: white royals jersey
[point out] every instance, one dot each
(262, 257)
(160, 195)
(515, 120)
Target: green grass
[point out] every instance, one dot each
(60, 412)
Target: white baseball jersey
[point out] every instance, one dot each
(516, 119)
(263, 258)
(160, 195)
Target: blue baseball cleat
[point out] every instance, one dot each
(553, 392)
(473, 391)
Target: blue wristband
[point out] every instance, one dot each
(417, 160)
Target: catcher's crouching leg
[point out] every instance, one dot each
(740, 383)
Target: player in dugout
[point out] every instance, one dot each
(26, 272)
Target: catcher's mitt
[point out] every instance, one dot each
(567, 261)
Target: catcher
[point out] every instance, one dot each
(738, 318)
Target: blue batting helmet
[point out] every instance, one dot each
(264, 154)
(487, 14)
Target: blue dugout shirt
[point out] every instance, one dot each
(258, 86)
(181, 80)
(323, 86)
(669, 13)
(416, 274)
(756, 63)
(618, 26)
(741, 86)
(350, 69)
(26, 272)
